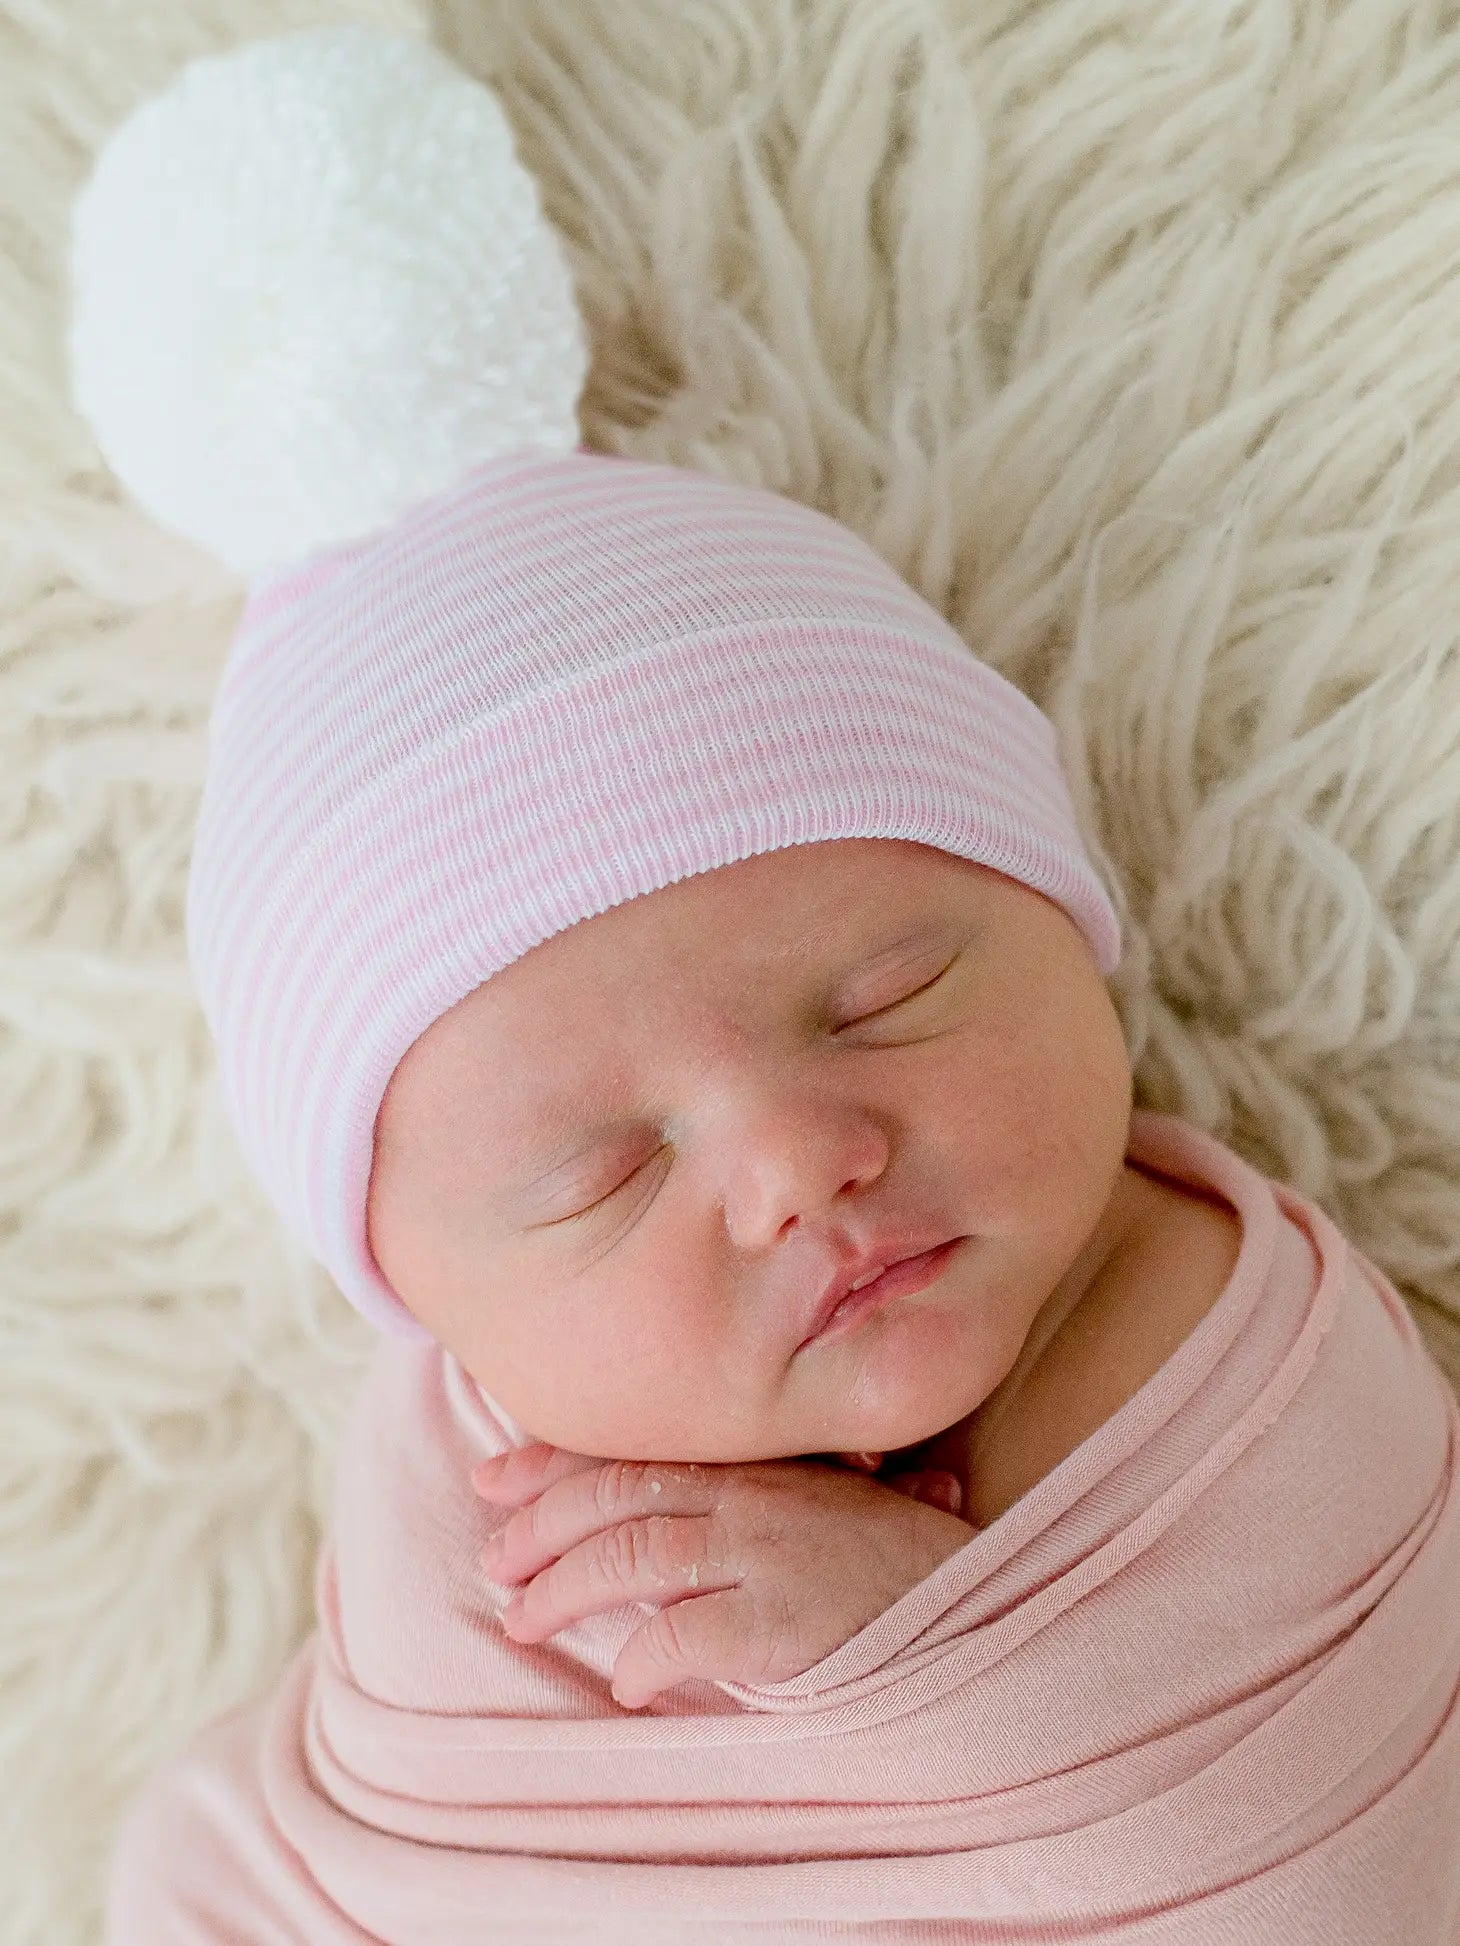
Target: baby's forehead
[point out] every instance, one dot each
(758, 917)
(767, 919)
(772, 915)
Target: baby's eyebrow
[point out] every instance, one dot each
(572, 1139)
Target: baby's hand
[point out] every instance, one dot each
(762, 1568)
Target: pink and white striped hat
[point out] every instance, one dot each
(486, 684)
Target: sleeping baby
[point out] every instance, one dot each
(823, 1149)
(832, 1469)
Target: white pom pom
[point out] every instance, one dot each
(312, 285)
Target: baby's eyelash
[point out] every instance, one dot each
(924, 988)
(609, 1194)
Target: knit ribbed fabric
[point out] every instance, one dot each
(568, 682)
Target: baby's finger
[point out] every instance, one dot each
(661, 1558)
(571, 1509)
(688, 1640)
(933, 1486)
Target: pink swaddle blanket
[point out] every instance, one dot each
(1199, 1685)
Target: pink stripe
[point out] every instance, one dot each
(1022, 738)
(352, 607)
(524, 542)
(257, 734)
(577, 495)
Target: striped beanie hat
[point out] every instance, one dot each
(486, 683)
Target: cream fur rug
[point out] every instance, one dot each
(1129, 330)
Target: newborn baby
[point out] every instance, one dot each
(617, 1179)
(629, 915)
(1185, 1675)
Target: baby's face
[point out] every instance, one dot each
(790, 1057)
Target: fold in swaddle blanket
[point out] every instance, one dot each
(1197, 1686)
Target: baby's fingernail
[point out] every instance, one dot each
(945, 1491)
(495, 1482)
